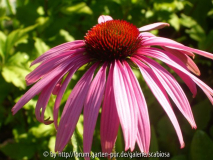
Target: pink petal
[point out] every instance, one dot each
(59, 97)
(91, 107)
(34, 90)
(57, 87)
(103, 18)
(109, 117)
(125, 102)
(185, 59)
(147, 35)
(46, 92)
(132, 104)
(143, 136)
(153, 26)
(72, 109)
(43, 100)
(170, 43)
(50, 64)
(173, 89)
(173, 61)
(160, 94)
(188, 81)
(55, 51)
(62, 90)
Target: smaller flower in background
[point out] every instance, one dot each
(112, 47)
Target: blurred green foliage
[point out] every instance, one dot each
(28, 28)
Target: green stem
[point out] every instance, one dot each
(9, 7)
(114, 152)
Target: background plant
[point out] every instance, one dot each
(28, 28)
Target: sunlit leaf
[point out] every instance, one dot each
(40, 46)
(16, 37)
(14, 71)
(2, 43)
(42, 130)
(77, 8)
(174, 21)
(66, 35)
(51, 144)
(187, 21)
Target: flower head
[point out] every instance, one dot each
(111, 47)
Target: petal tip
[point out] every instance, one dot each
(104, 18)
(182, 145)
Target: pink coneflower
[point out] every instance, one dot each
(111, 48)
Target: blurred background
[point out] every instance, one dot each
(28, 28)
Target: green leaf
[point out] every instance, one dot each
(40, 46)
(2, 43)
(202, 113)
(197, 33)
(187, 21)
(51, 144)
(80, 127)
(66, 35)
(201, 146)
(153, 144)
(80, 8)
(16, 37)
(77, 138)
(10, 7)
(206, 44)
(14, 71)
(15, 75)
(76, 145)
(19, 150)
(167, 136)
(174, 21)
(42, 130)
(210, 13)
(179, 157)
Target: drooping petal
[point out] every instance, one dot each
(170, 43)
(91, 107)
(46, 92)
(34, 90)
(174, 62)
(62, 90)
(43, 100)
(58, 50)
(188, 81)
(124, 104)
(72, 109)
(57, 87)
(143, 135)
(173, 89)
(109, 117)
(153, 26)
(160, 94)
(59, 97)
(50, 64)
(132, 104)
(185, 59)
(103, 18)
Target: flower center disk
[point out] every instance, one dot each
(115, 39)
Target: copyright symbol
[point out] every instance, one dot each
(46, 153)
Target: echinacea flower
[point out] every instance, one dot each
(111, 48)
